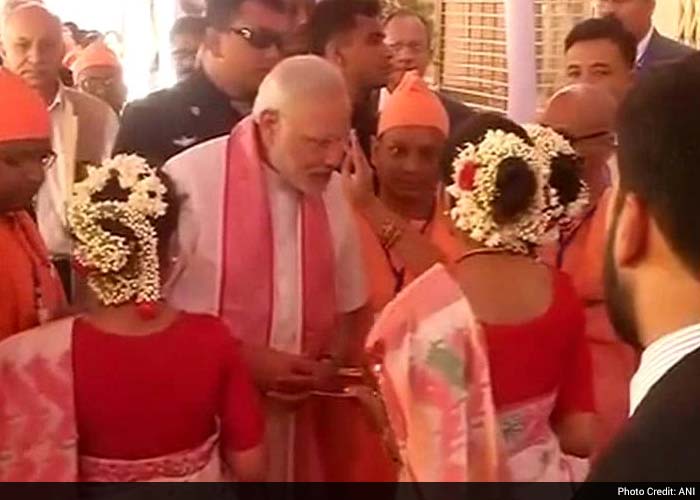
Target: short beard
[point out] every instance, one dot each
(618, 295)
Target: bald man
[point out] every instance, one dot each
(83, 127)
(268, 241)
(585, 114)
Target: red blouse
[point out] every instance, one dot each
(544, 356)
(149, 396)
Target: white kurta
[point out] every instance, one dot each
(199, 175)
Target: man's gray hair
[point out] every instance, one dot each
(299, 79)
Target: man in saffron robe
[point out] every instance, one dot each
(413, 130)
(30, 290)
(268, 241)
(585, 114)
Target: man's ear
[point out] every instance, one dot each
(632, 237)
(334, 53)
(212, 42)
(268, 124)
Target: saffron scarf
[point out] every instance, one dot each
(30, 290)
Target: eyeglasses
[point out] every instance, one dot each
(260, 39)
(18, 160)
(587, 137)
(413, 47)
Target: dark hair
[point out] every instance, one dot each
(404, 12)
(516, 186)
(474, 130)
(331, 18)
(659, 152)
(566, 177)
(189, 25)
(605, 28)
(164, 226)
(220, 13)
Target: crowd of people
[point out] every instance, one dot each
(304, 263)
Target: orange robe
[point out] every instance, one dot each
(614, 362)
(364, 457)
(30, 290)
(381, 279)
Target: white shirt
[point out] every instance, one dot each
(643, 45)
(198, 174)
(659, 358)
(53, 193)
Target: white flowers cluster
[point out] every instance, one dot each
(551, 144)
(475, 193)
(119, 271)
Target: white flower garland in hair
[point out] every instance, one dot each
(552, 144)
(474, 189)
(119, 271)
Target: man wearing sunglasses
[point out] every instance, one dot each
(242, 44)
(585, 115)
(30, 290)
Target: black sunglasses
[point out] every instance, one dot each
(259, 39)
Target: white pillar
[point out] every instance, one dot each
(522, 75)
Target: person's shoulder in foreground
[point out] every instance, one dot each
(651, 275)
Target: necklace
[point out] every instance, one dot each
(399, 272)
(488, 251)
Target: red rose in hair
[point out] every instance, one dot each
(466, 176)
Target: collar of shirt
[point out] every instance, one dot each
(59, 100)
(643, 45)
(659, 358)
(207, 94)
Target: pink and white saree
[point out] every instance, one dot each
(38, 428)
(436, 384)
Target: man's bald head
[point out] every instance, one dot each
(580, 110)
(32, 44)
(585, 114)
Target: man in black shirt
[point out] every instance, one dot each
(243, 43)
(349, 33)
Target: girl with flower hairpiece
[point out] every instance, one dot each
(133, 390)
(500, 306)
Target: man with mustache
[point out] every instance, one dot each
(652, 277)
(83, 127)
(410, 41)
(267, 241)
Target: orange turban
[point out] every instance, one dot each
(24, 113)
(413, 104)
(95, 54)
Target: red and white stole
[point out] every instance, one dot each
(247, 289)
(38, 431)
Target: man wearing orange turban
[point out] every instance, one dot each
(403, 228)
(30, 290)
(98, 72)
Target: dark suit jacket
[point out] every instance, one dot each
(661, 50)
(169, 121)
(661, 442)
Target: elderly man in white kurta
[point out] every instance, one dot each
(267, 241)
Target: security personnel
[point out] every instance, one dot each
(243, 43)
